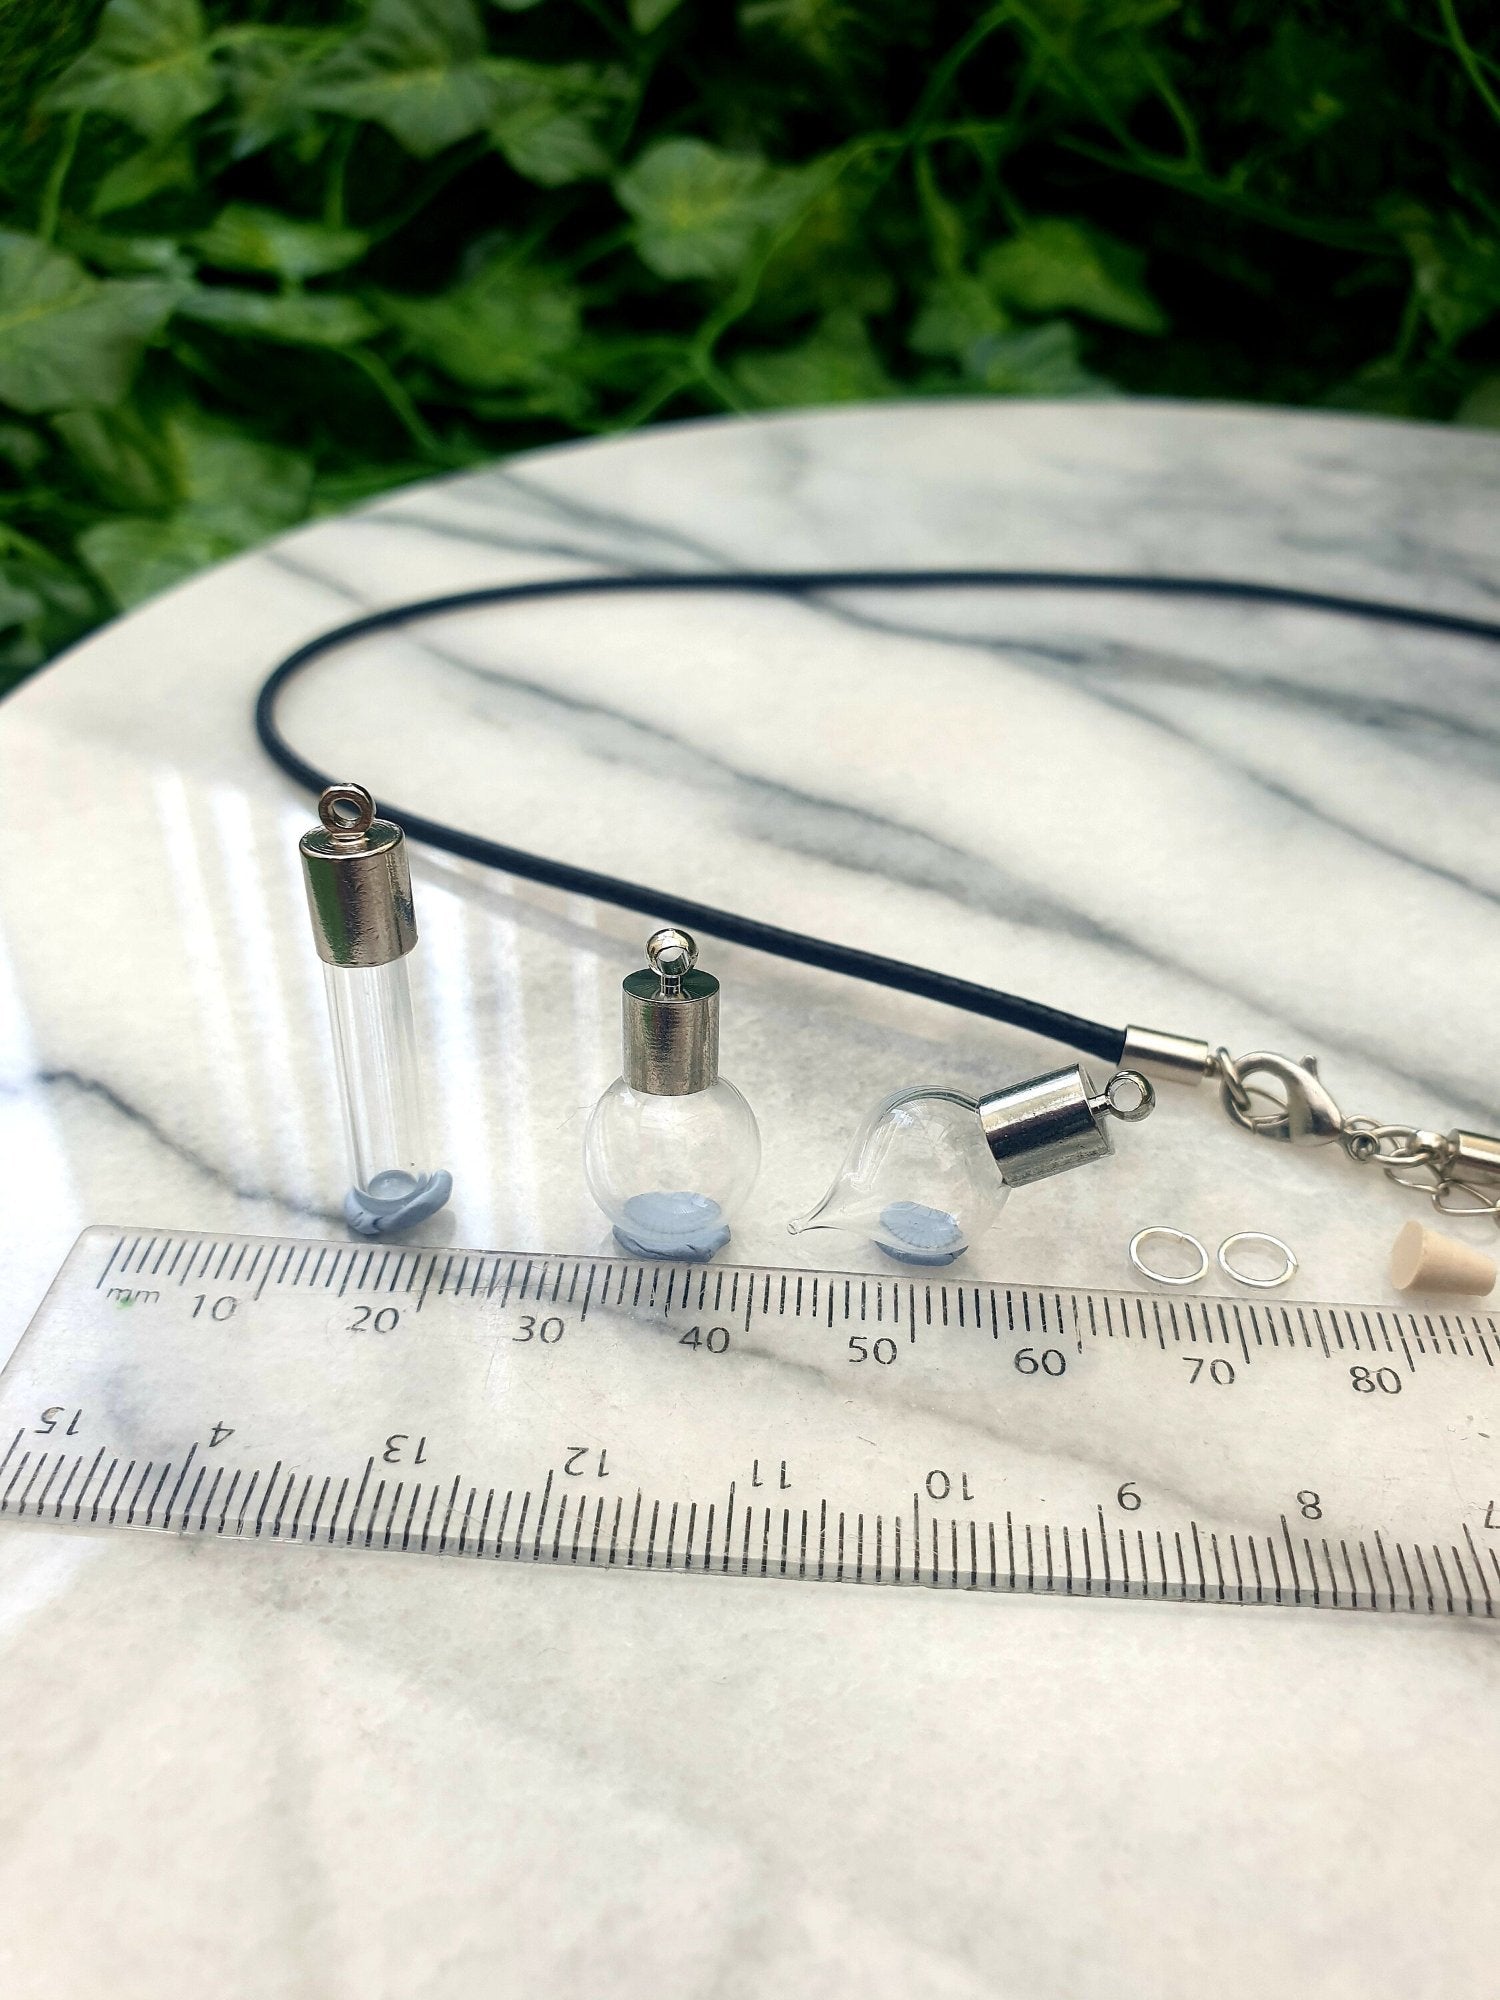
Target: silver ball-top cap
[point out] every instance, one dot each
(671, 1020)
(358, 882)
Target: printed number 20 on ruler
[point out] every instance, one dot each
(765, 1423)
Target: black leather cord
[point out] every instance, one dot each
(667, 906)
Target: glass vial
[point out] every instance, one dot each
(918, 1180)
(672, 1148)
(930, 1170)
(359, 897)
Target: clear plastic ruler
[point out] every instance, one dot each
(901, 1429)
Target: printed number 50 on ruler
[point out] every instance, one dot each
(599, 1413)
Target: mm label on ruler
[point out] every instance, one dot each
(735, 1422)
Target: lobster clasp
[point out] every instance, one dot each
(1301, 1114)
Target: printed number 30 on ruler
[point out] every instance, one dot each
(597, 1413)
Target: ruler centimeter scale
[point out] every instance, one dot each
(890, 1429)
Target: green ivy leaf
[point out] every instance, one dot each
(134, 256)
(43, 607)
(416, 68)
(646, 16)
(149, 65)
(239, 484)
(154, 171)
(1455, 270)
(136, 558)
(121, 457)
(337, 492)
(838, 364)
(1088, 49)
(545, 117)
(21, 448)
(1036, 361)
(504, 327)
(1482, 404)
(231, 491)
(300, 319)
(234, 483)
(242, 238)
(266, 73)
(67, 338)
(817, 27)
(824, 263)
(955, 313)
(1059, 266)
(18, 605)
(700, 212)
(1301, 82)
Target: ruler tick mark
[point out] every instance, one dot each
(57, 1506)
(99, 1281)
(35, 1475)
(536, 1547)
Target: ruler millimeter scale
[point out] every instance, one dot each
(605, 1413)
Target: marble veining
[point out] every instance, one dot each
(296, 1776)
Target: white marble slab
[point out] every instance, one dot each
(292, 1776)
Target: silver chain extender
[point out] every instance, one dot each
(1459, 1171)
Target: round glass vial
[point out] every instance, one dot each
(672, 1148)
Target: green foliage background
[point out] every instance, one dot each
(261, 258)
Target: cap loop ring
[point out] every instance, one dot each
(348, 811)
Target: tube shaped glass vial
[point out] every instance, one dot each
(359, 898)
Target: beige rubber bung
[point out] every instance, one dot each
(1424, 1261)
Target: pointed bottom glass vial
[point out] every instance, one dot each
(918, 1180)
(930, 1170)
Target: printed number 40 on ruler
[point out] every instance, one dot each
(601, 1413)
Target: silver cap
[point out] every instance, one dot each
(1050, 1123)
(1166, 1058)
(671, 1020)
(358, 882)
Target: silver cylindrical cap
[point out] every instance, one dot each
(1045, 1125)
(671, 1020)
(1472, 1156)
(358, 882)
(1166, 1058)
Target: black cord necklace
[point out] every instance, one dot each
(668, 906)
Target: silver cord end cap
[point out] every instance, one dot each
(358, 882)
(1052, 1123)
(670, 1020)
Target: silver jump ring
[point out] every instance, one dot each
(1229, 1073)
(1166, 1277)
(1256, 1236)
